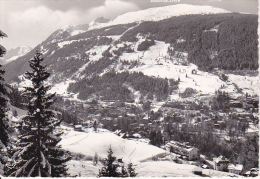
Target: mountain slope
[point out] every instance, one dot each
(216, 39)
(13, 54)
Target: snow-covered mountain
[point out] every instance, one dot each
(160, 13)
(167, 42)
(98, 21)
(14, 53)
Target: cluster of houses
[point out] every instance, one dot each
(220, 163)
(113, 115)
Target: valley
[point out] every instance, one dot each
(153, 85)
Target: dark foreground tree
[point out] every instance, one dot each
(3, 107)
(114, 168)
(38, 153)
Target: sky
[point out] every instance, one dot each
(29, 22)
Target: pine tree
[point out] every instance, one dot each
(95, 126)
(109, 169)
(4, 138)
(156, 138)
(113, 169)
(131, 170)
(3, 107)
(38, 152)
(152, 137)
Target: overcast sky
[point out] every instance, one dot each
(29, 22)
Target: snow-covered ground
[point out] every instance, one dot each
(171, 169)
(139, 153)
(89, 143)
(145, 169)
(203, 82)
(81, 168)
(61, 88)
(20, 113)
(156, 62)
(97, 50)
(248, 84)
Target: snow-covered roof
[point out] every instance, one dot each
(220, 159)
(235, 167)
(78, 126)
(180, 146)
(137, 135)
(146, 117)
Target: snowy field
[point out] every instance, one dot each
(203, 82)
(145, 169)
(248, 84)
(139, 153)
(89, 143)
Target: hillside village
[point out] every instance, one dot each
(224, 117)
(131, 120)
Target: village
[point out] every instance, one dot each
(131, 120)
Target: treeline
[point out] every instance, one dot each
(114, 85)
(97, 67)
(145, 44)
(126, 48)
(189, 92)
(225, 41)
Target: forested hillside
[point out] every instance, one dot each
(114, 85)
(225, 41)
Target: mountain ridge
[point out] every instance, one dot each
(160, 13)
(14, 53)
(204, 40)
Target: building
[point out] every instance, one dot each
(253, 172)
(78, 128)
(191, 153)
(236, 169)
(220, 163)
